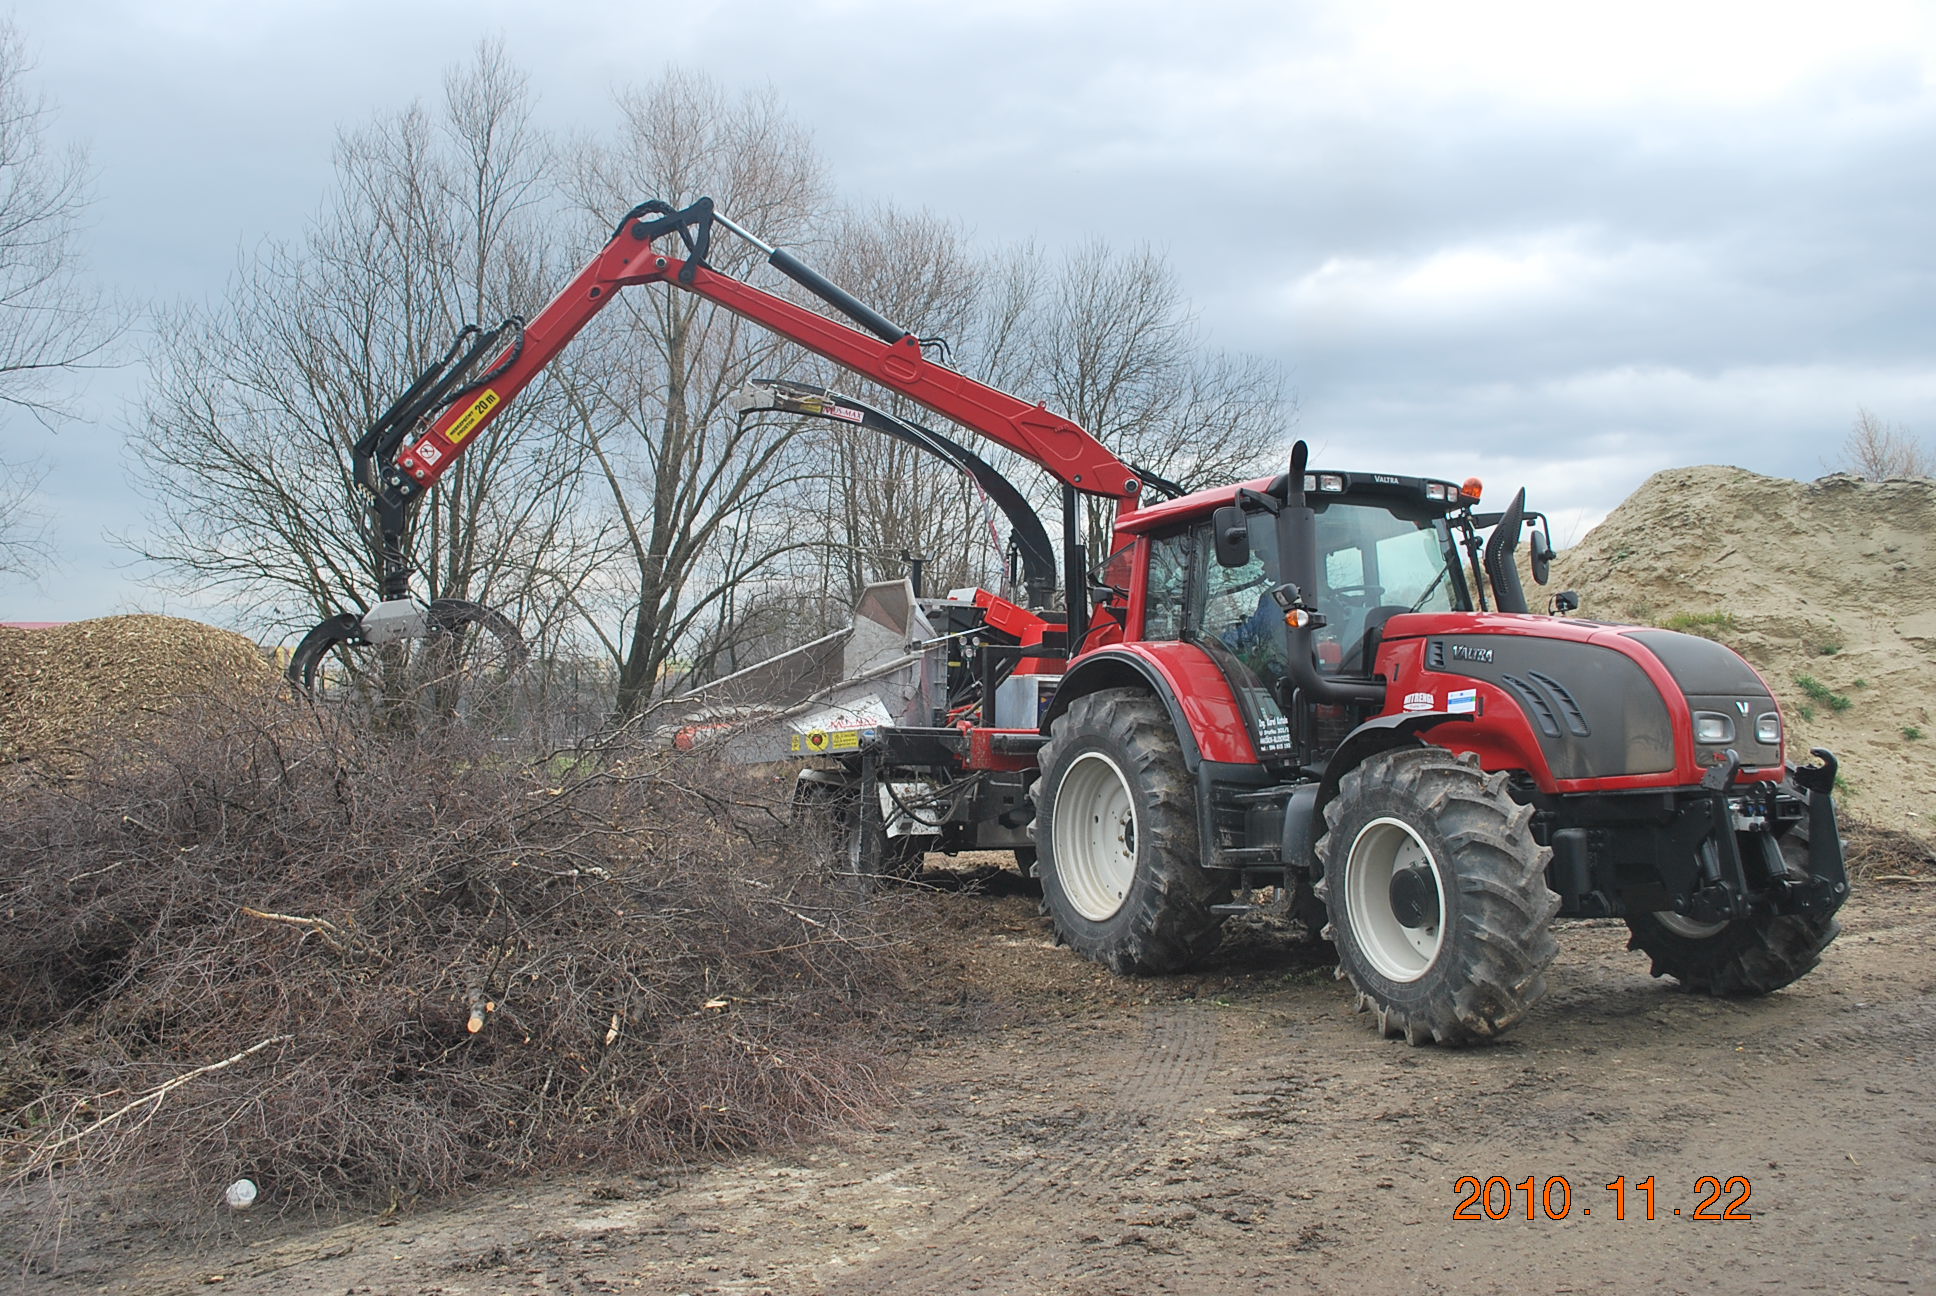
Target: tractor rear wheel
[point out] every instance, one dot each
(1755, 955)
(1437, 897)
(1116, 838)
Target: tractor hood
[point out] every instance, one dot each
(1603, 700)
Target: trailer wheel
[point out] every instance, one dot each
(1116, 838)
(1755, 955)
(830, 813)
(873, 856)
(1436, 894)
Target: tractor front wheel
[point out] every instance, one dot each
(1755, 955)
(1436, 894)
(1748, 956)
(1116, 838)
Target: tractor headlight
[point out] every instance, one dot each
(1768, 729)
(1712, 727)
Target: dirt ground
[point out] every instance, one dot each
(1238, 1130)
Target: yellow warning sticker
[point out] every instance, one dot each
(480, 409)
(820, 740)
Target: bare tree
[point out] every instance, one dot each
(1876, 451)
(888, 500)
(51, 322)
(436, 222)
(1113, 344)
(1103, 337)
(23, 525)
(705, 502)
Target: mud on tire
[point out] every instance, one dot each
(1437, 896)
(1116, 838)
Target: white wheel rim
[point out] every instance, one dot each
(1687, 928)
(1396, 952)
(1095, 834)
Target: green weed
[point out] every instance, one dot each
(1822, 693)
(1912, 733)
(1709, 625)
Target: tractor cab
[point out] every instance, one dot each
(1380, 546)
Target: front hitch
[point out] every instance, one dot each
(1828, 876)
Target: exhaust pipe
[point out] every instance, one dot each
(1297, 559)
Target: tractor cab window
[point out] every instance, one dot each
(1376, 562)
(1234, 607)
(1229, 611)
(1169, 570)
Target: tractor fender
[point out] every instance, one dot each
(1117, 668)
(1211, 734)
(1304, 810)
(1205, 714)
(1381, 733)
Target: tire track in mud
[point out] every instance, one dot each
(982, 1224)
(1906, 1025)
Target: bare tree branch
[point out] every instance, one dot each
(52, 323)
(1875, 451)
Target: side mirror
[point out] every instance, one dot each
(1540, 557)
(1566, 601)
(1232, 529)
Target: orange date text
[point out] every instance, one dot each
(1552, 1197)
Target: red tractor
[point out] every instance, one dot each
(1323, 687)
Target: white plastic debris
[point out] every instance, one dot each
(241, 1194)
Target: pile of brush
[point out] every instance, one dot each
(354, 968)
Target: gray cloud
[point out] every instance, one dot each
(1564, 244)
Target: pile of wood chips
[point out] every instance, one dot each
(63, 688)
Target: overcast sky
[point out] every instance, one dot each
(1563, 244)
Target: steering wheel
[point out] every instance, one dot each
(1358, 593)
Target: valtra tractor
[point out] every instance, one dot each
(1320, 691)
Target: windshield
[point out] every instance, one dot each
(1374, 563)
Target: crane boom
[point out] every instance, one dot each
(898, 363)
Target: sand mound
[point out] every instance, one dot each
(60, 687)
(1825, 586)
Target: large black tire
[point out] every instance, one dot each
(1436, 894)
(1116, 838)
(1756, 955)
